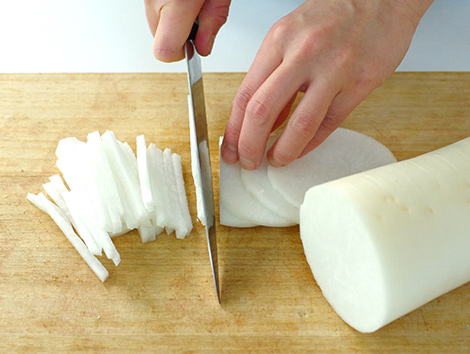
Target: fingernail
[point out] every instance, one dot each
(230, 153)
(272, 161)
(275, 163)
(247, 164)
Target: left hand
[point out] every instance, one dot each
(337, 53)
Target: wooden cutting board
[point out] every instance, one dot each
(161, 297)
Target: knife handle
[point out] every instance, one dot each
(193, 32)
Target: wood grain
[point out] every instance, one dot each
(161, 297)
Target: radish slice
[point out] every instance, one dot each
(228, 219)
(144, 176)
(178, 220)
(60, 219)
(181, 193)
(196, 164)
(81, 225)
(105, 181)
(343, 153)
(158, 185)
(124, 171)
(259, 186)
(235, 199)
(77, 172)
(55, 191)
(383, 242)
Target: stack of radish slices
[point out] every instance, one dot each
(272, 196)
(111, 191)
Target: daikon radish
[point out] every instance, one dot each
(228, 219)
(259, 186)
(181, 196)
(235, 199)
(105, 180)
(63, 223)
(343, 153)
(383, 242)
(80, 224)
(125, 172)
(144, 176)
(158, 184)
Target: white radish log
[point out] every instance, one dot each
(343, 153)
(383, 242)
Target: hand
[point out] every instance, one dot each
(337, 53)
(170, 22)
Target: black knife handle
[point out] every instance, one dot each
(194, 29)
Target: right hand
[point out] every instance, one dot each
(170, 22)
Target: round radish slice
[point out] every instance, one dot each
(228, 219)
(235, 199)
(258, 185)
(343, 153)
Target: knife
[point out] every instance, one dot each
(200, 156)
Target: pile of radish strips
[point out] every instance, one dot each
(111, 191)
(272, 196)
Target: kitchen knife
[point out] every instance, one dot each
(200, 153)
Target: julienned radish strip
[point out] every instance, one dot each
(181, 193)
(158, 185)
(80, 224)
(105, 180)
(108, 186)
(178, 219)
(383, 242)
(60, 219)
(123, 170)
(144, 177)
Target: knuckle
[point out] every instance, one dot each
(304, 124)
(258, 111)
(331, 122)
(246, 149)
(368, 78)
(242, 98)
(232, 131)
(279, 31)
(283, 156)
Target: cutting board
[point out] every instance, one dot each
(161, 297)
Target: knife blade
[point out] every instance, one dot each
(200, 155)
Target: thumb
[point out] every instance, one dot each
(212, 17)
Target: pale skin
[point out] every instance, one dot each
(336, 52)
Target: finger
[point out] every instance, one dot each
(174, 25)
(303, 124)
(341, 107)
(211, 18)
(262, 111)
(266, 61)
(152, 12)
(284, 114)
